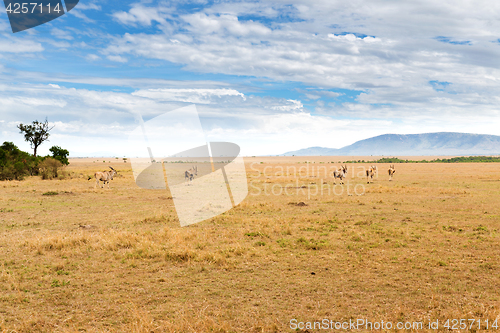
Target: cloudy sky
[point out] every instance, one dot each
(271, 76)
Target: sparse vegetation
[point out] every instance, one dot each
(50, 193)
(460, 159)
(16, 164)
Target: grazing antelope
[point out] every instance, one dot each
(370, 173)
(105, 177)
(189, 175)
(340, 174)
(391, 171)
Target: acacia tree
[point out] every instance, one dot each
(36, 133)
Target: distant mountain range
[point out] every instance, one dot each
(443, 143)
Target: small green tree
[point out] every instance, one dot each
(60, 154)
(36, 133)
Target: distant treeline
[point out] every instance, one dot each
(15, 164)
(462, 159)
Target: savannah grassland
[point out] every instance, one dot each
(425, 246)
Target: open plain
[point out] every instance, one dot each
(421, 248)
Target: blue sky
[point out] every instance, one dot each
(271, 76)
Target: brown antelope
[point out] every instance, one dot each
(104, 177)
(391, 172)
(370, 173)
(340, 174)
(189, 175)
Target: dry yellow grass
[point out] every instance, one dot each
(422, 247)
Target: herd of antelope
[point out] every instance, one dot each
(341, 173)
(107, 175)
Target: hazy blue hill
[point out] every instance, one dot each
(443, 143)
(312, 151)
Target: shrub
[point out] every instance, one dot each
(49, 168)
(14, 163)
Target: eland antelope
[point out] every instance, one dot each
(340, 174)
(105, 177)
(391, 172)
(370, 173)
(189, 175)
